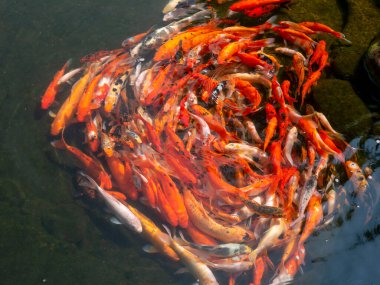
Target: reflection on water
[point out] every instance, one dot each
(47, 236)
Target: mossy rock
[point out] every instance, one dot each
(324, 11)
(344, 109)
(362, 26)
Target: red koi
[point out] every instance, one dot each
(52, 90)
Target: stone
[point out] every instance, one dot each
(343, 107)
(362, 26)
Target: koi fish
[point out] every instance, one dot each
(206, 224)
(66, 112)
(195, 265)
(273, 233)
(51, 91)
(356, 176)
(262, 210)
(318, 27)
(119, 209)
(160, 241)
(222, 250)
(251, 4)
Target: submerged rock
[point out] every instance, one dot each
(362, 26)
(344, 109)
(323, 11)
(372, 61)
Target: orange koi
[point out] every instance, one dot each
(297, 27)
(318, 27)
(152, 233)
(307, 44)
(165, 208)
(285, 85)
(170, 47)
(248, 91)
(51, 91)
(253, 60)
(91, 165)
(66, 112)
(272, 124)
(174, 198)
(312, 80)
(299, 68)
(313, 217)
(198, 237)
(149, 189)
(92, 132)
(277, 92)
(209, 226)
(261, 11)
(211, 121)
(131, 190)
(234, 47)
(84, 105)
(117, 168)
(251, 4)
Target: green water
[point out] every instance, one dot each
(49, 236)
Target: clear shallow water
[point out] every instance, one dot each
(49, 236)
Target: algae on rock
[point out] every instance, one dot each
(362, 26)
(345, 110)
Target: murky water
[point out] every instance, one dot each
(50, 236)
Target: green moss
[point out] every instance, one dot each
(345, 110)
(362, 26)
(323, 11)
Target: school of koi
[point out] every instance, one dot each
(198, 121)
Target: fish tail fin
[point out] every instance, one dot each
(268, 261)
(61, 143)
(271, 21)
(58, 144)
(168, 232)
(68, 63)
(343, 38)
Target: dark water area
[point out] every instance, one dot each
(50, 235)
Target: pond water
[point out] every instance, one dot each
(49, 235)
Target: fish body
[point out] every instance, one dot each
(224, 250)
(263, 210)
(195, 265)
(306, 194)
(229, 234)
(251, 4)
(51, 91)
(290, 139)
(119, 209)
(113, 94)
(161, 35)
(69, 75)
(153, 234)
(66, 112)
(318, 27)
(91, 165)
(356, 176)
(231, 266)
(269, 238)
